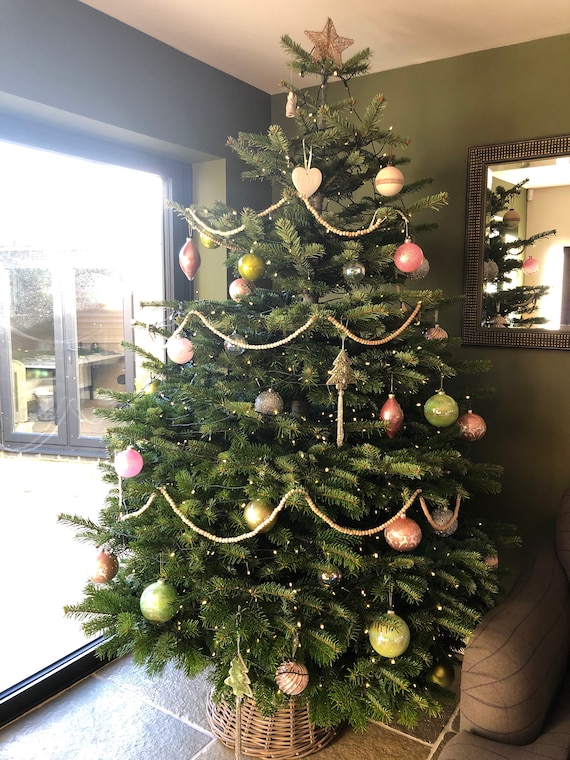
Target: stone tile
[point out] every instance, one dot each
(171, 691)
(98, 721)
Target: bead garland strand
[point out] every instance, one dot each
(203, 227)
(372, 227)
(451, 520)
(380, 341)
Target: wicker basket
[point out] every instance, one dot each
(287, 734)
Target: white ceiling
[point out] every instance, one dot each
(243, 37)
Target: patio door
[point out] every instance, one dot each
(62, 326)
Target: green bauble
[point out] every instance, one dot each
(441, 673)
(389, 639)
(256, 512)
(251, 267)
(159, 602)
(441, 410)
(207, 241)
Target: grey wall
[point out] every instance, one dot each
(445, 107)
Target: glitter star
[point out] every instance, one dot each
(328, 44)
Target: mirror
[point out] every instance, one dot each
(517, 254)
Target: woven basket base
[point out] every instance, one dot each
(287, 734)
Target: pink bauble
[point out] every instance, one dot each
(530, 265)
(389, 181)
(408, 256)
(404, 534)
(472, 427)
(179, 350)
(241, 288)
(511, 218)
(105, 567)
(391, 412)
(189, 259)
(128, 463)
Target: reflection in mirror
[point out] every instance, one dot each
(517, 267)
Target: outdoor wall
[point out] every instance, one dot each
(445, 107)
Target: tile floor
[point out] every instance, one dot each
(121, 713)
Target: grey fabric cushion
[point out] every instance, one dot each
(552, 744)
(518, 655)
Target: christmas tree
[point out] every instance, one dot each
(289, 494)
(507, 300)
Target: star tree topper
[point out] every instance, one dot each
(328, 44)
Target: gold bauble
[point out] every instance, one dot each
(207, 241)
(442, 674)
(256, 512)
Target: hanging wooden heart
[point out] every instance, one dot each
(307, 181)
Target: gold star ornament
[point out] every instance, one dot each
(328, 44)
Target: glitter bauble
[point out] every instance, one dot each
(241, 288)
(269, 402)
(408, 256)
(159, 602)
(436, 333)
(530, 265)
(330, 578)
(391, 413)
(179, 350)
(292, 677)
(441, 518)
(189, 259)
(354, 272)
(207, 241)
(472, 427)
(105, 568)
(251, 267)
(389, 181)
(440, 410)
(256, 512)
(511, 218)
(421, 272)
(128, 463)
(403, 534)
(389, 639)
(441, 673)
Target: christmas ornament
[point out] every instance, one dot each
(256, 512)
(238, 679)
(328, 44)
(403, 534)
(208, 242)
(306, 181)
(330, 578)
(389, 181)
(389, 639)
(490, 270)
(292, 678)
(440, 410)
(128, 463)
(472, 427)
(341, 376)
(511, 218)
(441, 673)
(530, 265)
(230, 347)
(105, 568)
(392, 413)
(159, 602)
(441, 517)
(421, 272)
(291, 105)
(498, 321)
(408, 257)
(179, 350)
(436, 333)
(299, 407)
(251, 267)
(241, 288)
(354, 272)
(269, 402)
(492, 561)
(189, 259)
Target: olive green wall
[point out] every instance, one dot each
(445, 107)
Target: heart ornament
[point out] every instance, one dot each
(306, 181)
